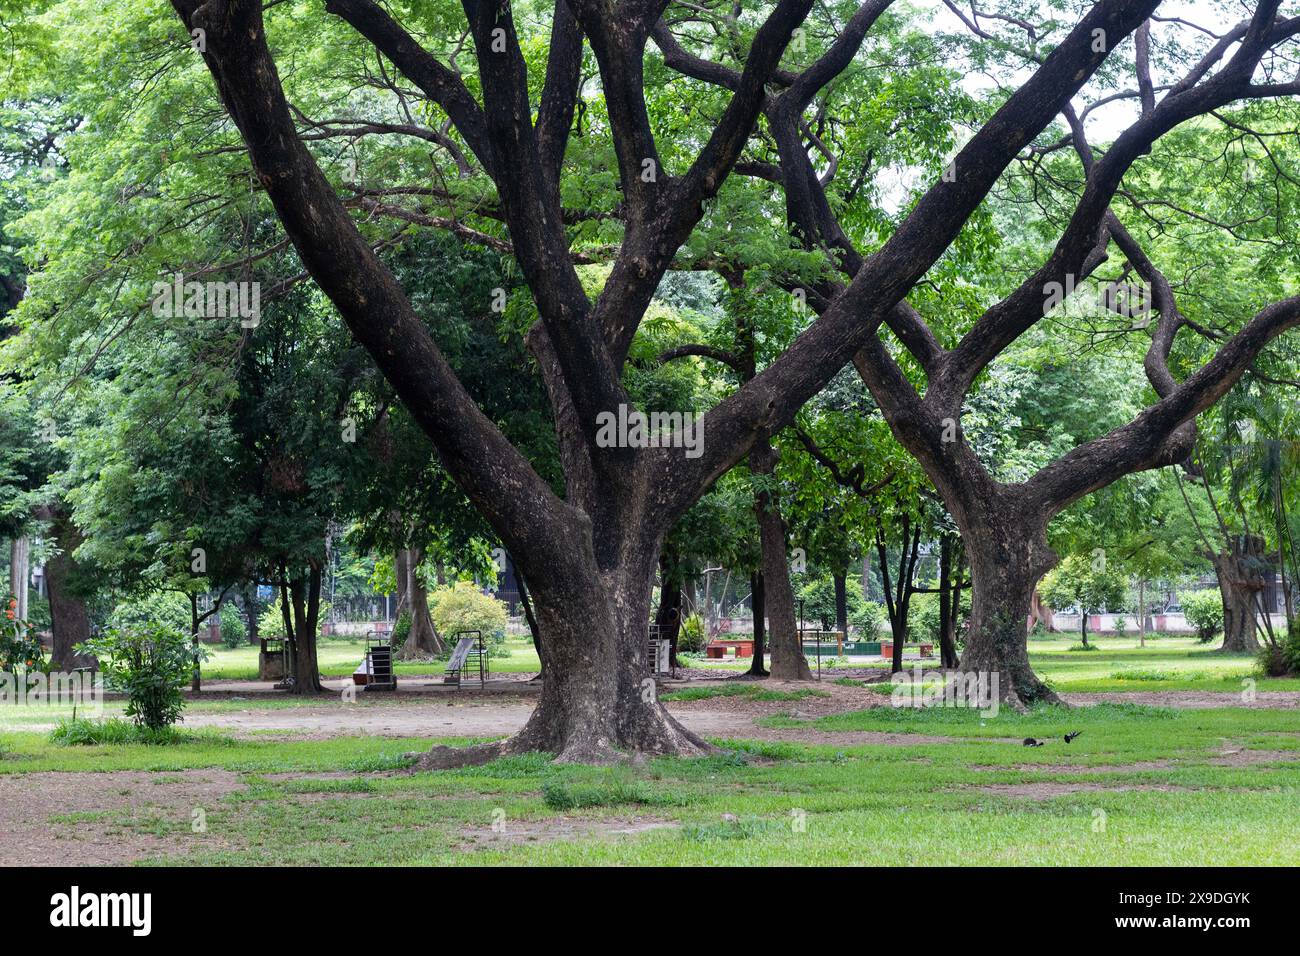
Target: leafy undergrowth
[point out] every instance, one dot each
(81, 732)
(754, 691)
(620, 791)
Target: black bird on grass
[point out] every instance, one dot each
(1071, 736)
(1031, 742)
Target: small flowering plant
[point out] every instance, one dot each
(20, 650)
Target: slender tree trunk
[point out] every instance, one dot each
(196, 678)
(758, 607)
(305, 595)
(841, 604)
(669, 614)
(1083, 625)
(1008, 554)
(423, 642)
(251, 609)
(1142, 612)
(20, 550)
(788, 661)
(527, 603)
(947, 613)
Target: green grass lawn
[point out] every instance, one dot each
(1119, 664)
(1155, 791)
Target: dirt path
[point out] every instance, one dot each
(76, 819)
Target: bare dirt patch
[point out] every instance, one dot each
(105, 819)
(1231, 757)
(513, 833)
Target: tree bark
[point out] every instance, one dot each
(251, 609)
(947, 612)
(758, 607)
(1008, 555)
(423, 642)
(841, 605)
(1239, 569)
(599, 701)
(69, 620)
(20, 550)
(304, 593)
(788, 661)
(196, 677)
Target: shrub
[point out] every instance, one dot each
(150, 665)
(271, 622)
(1204, 610)
(818, 597)
(19, 645)
(159, 609)
(401, 629)
(462, 607)
(1291, 647)
(691, 640)
(234, 633)
(868, 618)
(1282, 660)
(923, 618)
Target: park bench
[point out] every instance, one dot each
(887, 649)
(717, 648)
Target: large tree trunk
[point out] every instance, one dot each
(423, 642)
(599, 702)
(1240, 571)
(758, 608)
(788, 661)
(69, 620)
(1008, 554)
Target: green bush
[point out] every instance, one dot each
(163, 609)
(1204, 610)
(923, 619)
(234, 633)
(1282, 660)
(462, 607)
(150, 665)
(401, 629)
(691, 639)
(868, 618)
